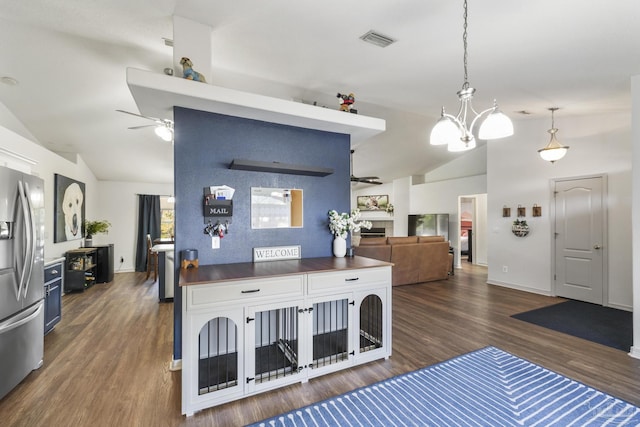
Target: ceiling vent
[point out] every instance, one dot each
(377, 39)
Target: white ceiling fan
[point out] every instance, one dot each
(363, 179)
(163, 127)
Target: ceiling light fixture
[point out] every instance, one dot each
(453, 130)
(554, 150)
(165, 131)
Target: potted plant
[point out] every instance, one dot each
(94, 227)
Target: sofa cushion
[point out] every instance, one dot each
(367, 241)
(435, 261)
(402, 240)
(406, 259)
(430, 239)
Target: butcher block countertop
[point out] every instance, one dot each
(249, 270)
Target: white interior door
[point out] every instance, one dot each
(579, 239)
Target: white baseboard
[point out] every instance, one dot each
(519, 287)
(620, 306)
(175, 365)
(635, 352)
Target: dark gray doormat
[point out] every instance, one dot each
(604, 325)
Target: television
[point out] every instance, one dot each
(429, 225)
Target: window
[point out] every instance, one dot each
(167, 223)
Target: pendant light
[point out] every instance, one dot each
(453, 130)
(554, 150)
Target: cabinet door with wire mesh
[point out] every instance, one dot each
(218, 361)
(374, 334)
(273, 349)
(331, 345)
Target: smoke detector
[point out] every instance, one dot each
(377, 39)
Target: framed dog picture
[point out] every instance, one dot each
(69, 209)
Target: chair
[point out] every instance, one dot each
(152, 260)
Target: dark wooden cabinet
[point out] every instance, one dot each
(53, 283)
(104, 261)
(80, 272)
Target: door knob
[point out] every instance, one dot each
(597, 247)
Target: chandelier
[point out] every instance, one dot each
(453, 130)
(554, 150)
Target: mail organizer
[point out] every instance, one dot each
(217, 208)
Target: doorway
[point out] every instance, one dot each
(579, 237)
(471, 238)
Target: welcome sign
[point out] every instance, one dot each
(276, 253)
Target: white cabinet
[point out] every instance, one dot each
(242, 337)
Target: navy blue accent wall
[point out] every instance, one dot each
(205, 144)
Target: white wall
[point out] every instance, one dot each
(114, 201)
(48, 164)
(443, 197)
(118, 204)
(516, 175)
(480, 237)
(402, 197)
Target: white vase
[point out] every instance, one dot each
(339, 247)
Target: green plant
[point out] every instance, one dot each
(96, 227)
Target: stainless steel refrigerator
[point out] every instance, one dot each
(21, 276)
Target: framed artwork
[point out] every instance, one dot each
(69, 209)
(372, 203)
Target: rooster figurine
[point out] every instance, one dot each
(188, 72)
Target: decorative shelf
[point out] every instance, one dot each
(156, 95)
(277, 167)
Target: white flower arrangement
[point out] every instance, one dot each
(343, 223)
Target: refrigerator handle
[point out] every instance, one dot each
(29, 316)
(30, 225)
(25, 256)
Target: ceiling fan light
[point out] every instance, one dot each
(164, 132)
(496, 125)
(458, 145)
(444, 131)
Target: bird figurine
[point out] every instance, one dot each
(189, 73)
(346, 102)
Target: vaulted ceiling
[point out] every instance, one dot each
(69, 58)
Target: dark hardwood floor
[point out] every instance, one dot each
(107, 362)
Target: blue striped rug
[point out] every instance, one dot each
(488, 387)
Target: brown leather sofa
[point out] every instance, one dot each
(415, 259)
